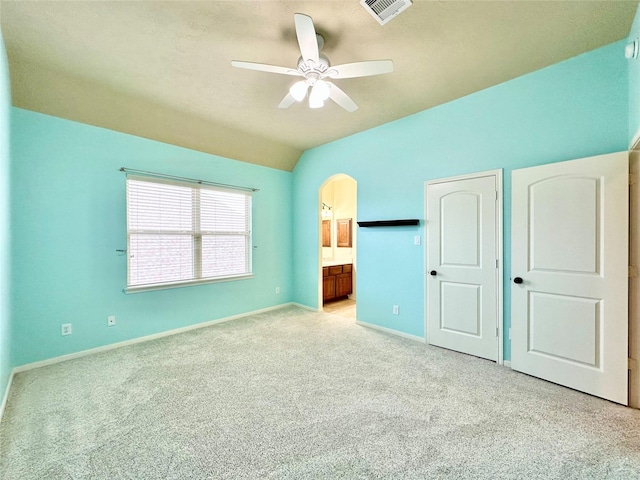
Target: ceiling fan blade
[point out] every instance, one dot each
(360, 69)
(306, 33)
(263, 67)
(337, 95)
(287, 101)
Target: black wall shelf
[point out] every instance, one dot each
(390, 223)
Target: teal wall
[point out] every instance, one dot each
(634, 83)
(68, 206)
(573, 109)
(5, 323)
(68, 219)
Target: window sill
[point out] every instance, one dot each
(188, 283)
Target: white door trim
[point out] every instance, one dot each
(499, 253)
(634, 280)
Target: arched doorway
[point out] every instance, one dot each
(337, 245)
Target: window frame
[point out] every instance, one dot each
(196, 234)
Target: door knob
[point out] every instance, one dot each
(433, 273)
(518, 280)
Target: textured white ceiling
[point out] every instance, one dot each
(162, 70)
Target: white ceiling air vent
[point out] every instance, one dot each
(385, 10)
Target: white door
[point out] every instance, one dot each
(462, 273)
(569, 274)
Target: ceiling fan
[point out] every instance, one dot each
(316, 69)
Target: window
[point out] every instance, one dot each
(183, 233)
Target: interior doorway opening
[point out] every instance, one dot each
(337, 246)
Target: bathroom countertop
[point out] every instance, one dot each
(331, 263)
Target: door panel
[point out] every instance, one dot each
(570, 247)
(565, 327)
(462, 292)
(460, 308)
(460, 229)
(557, 218)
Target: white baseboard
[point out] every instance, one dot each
(306, 307)
(507, 363)
(391, 331)
(147, 338)
(5, 398)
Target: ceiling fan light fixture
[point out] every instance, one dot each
(315, 102)
(299, 90)
(319, 93)
(322, 89)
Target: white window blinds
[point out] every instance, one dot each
(182, 233)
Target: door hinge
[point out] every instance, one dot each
(497, 266)
(496, 195)
(633, 364)
(632, 178)
(497, 331)
(632, 272)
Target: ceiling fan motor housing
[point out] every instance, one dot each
(311, 69)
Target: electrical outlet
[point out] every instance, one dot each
(66, 329)
(111, 320)
(277, 289)
(396, 310)
(417, 240)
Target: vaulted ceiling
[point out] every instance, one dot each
(162, 70)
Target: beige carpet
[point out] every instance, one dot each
(297, 394)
